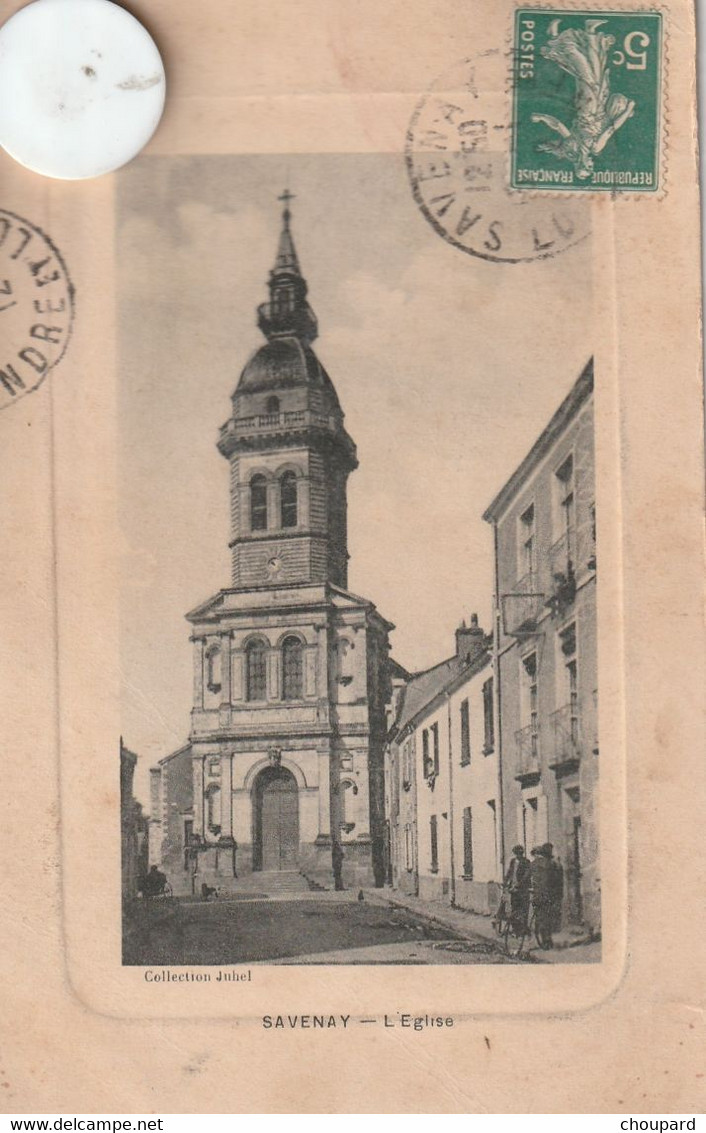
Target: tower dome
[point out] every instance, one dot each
(286, 361)
(282, 362)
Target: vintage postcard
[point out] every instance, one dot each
(354, 464)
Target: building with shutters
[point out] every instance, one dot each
(291, 670)
(546, 652)
(494, 747)
(442, 784)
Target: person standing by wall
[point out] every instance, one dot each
(541, 880)
(517, 884)
(556, 886)
(337, 857)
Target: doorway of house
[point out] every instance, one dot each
(276, 820)
(573, 873)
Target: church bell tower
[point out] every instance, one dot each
(289, 452)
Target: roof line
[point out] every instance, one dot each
(199, 612)
(471, 670)
(578, 394)
(365, 602)
(432, 668)
(172, 755)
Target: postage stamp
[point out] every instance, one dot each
(36, 307)
(456, 152)
(587, 94)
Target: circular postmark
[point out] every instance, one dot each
(36, 307)
(457, 159)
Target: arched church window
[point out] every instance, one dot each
(272, 405)
(292, 669)
(213, 669)
(288, 499)
(258, 503)
(256, 658)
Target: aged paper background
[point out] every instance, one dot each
(84, 1034)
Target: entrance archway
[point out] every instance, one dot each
(275, 820)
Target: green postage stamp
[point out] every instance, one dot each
(587, 100)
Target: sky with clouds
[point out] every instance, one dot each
(447, 367)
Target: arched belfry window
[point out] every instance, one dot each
(272, 405)
(256, 663)
(258, 503)
(292, 669)
(288, 499)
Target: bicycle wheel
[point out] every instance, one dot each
(506, 933)
(498, 920)
(522, 933)
(533, 928)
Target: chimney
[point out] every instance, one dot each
(470, 640)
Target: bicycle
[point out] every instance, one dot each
(509, 925)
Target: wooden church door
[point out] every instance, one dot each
(279, 821)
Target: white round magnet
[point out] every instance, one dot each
(81, 87)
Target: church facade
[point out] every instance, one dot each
(291, 670)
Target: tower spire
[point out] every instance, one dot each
(286, 252)
(288, 313)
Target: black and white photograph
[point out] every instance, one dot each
(358, 620)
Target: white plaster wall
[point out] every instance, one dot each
(476, 784)
(434, 802)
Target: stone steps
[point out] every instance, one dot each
(273, 882)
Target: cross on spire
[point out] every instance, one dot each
(287, 312)
(286, 255)
(285, 198)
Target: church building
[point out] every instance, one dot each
(291, 670)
